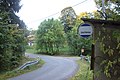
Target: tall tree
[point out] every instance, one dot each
(68, 17)
(12, 39)
(50, 36)
(11, 7)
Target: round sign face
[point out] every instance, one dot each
(85, 30)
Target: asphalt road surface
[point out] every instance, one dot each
(55, 68)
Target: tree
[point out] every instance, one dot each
(50, 36)
(10, 7)
(94, 15)
(68, 17)
(76, 43)
(112, 8)
(12, 41)
(11, 46)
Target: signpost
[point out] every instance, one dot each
(85, 30)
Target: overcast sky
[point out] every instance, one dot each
(35, 11)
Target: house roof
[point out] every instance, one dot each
(98, 21)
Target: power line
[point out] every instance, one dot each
(45, 17)
(57, 12)
(79, 3)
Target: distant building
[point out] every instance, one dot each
(31, 40)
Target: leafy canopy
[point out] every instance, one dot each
(10, 8)
(112, 8)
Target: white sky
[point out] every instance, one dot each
(34, 11)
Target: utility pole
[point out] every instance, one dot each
(103, 6)
(103, 9)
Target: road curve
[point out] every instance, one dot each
(55, 68)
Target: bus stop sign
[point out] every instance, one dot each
(85, 30)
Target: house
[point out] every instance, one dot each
(31, 40)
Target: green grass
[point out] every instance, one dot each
(84, 72)
(9, 74)
(30, 51)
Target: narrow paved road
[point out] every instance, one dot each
(55, 68)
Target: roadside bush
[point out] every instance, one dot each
(11, 46)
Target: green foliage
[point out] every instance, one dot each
(30, 49)
(11, 35)
(11, 46)
(76, 43)
(51, 39)
(11, 7)
(68, 18)
(50, 36)
(112, 8)
(110, 47)
(7, 5)
(84, 73)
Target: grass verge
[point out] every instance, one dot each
(9, 74)
(84, 72)
(30, 51)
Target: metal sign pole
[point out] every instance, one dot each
(103, 8)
